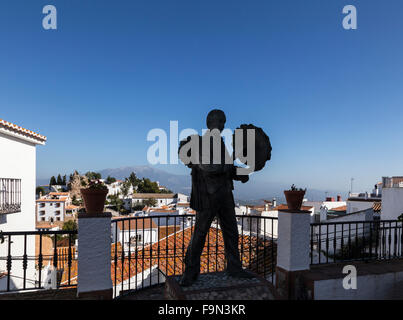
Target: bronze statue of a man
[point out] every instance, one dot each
(212, 185)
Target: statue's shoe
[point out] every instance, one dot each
(188, 279)
(242, 274)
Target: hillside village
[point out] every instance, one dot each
(59, 202)
(149, 226)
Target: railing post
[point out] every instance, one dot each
(94, 256)
(293, 254)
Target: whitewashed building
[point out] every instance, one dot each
(162, 199)
(392, 198)
(361, 202)
(269, 226)
(134, 233)
(52, 207)
(17, 197)
(50, 210)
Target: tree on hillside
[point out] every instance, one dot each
(110, 180)
(76, 202)
(52, 181)
(59, 180)
(70, 225)
(125, 188)
(138, 207)
(115, 201)
(93, 175)
(64, 180)
(40, 191)
(166, 191)
(134, 180)
(150, 202)
(147, 186)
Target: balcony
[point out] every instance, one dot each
(144, 253)
(10, 195)
(160, 244)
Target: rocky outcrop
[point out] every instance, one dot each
(76, 183)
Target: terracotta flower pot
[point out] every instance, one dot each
(294, 199)
(94, 200)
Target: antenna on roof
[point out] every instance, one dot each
(351, 185)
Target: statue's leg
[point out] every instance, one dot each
(226, 216)
(196, 245)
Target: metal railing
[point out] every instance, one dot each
(333, 242)
(31, 260)
(147, 249)
(10, 195)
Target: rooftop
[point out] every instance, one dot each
(130, 224)
(51, 200)
(339, 209)
(168, 254)
(154, 195)
(285, 207)
(15, 130)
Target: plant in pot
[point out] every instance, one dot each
(94, 196)
(294, 197)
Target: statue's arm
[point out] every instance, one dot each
(181, 144)
(242, 177)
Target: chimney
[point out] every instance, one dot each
(339, 198)
(274, 202)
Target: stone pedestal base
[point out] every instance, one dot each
(290, 285)
(94, 256)
(96, 295)
(220, 286)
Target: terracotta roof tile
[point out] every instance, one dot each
(168, 254)
(23, 131)
(256, 254)
(153, 195)
(339, 209)
(72, 207)
(58, 193)
(133, 224)
(377, 206)
(285, 207)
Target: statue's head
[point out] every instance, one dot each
(216, 120)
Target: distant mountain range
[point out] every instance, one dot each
(252, 192)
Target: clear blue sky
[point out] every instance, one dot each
(330, 99)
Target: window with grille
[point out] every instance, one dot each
(10, 195)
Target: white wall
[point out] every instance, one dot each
(369, 287)
(147, 236)
(269, 227)
(320, 233)
(182, 198)
(392, 203)
(141, 280)
(333, 204)
(18, 161)
(160, 201)
(355, 206)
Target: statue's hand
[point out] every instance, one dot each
(239, 177)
